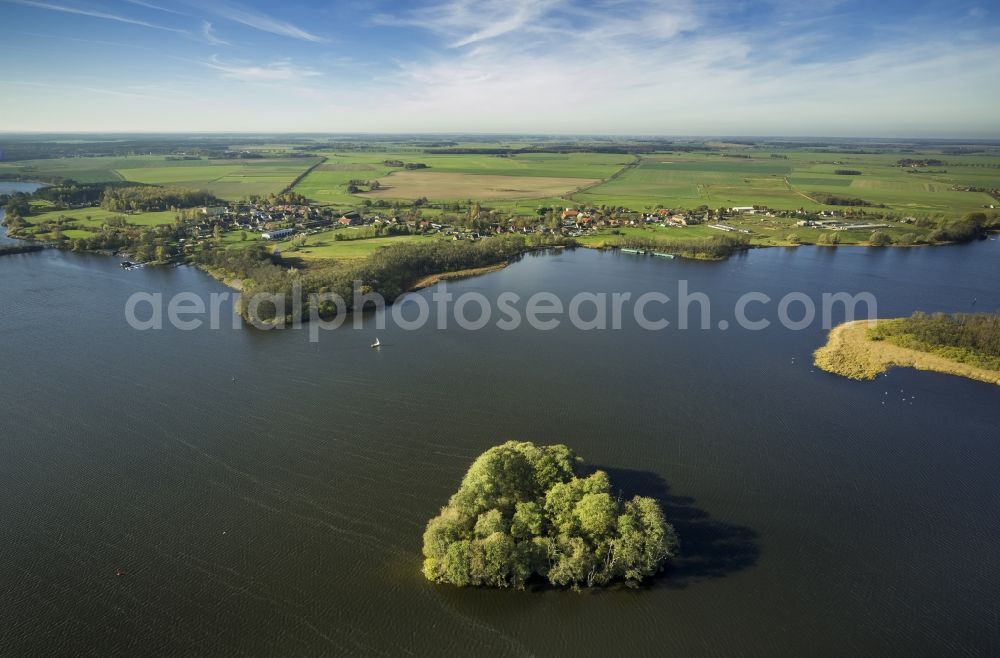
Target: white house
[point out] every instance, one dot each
(277, 234)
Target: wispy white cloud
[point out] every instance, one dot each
(208, 34)
(66, 9)
(471, 21)
(592, 66)
(281, 71)
(107, 91)
(258, 21)
(673, 68)
(150, 5)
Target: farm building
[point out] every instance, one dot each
(277, 234)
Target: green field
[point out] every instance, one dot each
(795, 179)
(327, 184)
(783, 179)
(801, 179)
(95, 218)
(324, 246)
(227, 179)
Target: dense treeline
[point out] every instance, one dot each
(972, 338)
(253, 263)
(144, 244)
(17, 205)
(623, 149)
(842, 201)
(73, 193)
(69, 145)
(971, 227)
(847, 172)
(716, 247)
(523, 510)
(148, 198)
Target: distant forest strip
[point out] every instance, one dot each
(972, 338)
(623, 149)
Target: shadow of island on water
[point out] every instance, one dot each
(709, 548)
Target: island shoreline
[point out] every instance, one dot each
(849, 353)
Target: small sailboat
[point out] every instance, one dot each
(376, 343)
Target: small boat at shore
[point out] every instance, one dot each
(662, 255)
(376, 343)
(632, 251)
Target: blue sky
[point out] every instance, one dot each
(831, 68)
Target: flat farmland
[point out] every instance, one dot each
(226, 179)
(555, 165)
(82, 169)
(409, 185)
(691, 183)
(799, 179)
(328, 183)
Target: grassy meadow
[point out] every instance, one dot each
(83, 222)
(325, 246)
(458, 177)
(227, 179)
(799, 179)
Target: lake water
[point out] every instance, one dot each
(282, 512)
(9, 187)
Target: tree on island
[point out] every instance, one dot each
(523, 510)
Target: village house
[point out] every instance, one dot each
(212, 211)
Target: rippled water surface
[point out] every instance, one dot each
(260, 494)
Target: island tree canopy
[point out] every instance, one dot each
(524, 510)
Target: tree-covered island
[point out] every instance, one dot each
(525, 511)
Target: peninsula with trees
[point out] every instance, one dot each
(964, 344)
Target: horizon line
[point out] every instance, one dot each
(498, 134)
